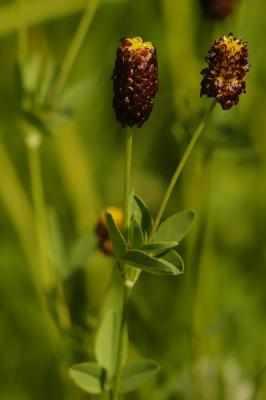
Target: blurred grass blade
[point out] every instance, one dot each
(37, 12)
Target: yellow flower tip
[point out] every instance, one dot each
(233, 45)
(134, 44)
(101, 230)
(225, 76)
(117, 215)
(135, 81)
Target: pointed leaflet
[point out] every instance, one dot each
(136, 238)
(146, 218)
(175, 227)
(89, 377)
(156, 249)
(137, 373)
(175, 259)
(145, 262)
(117, 239)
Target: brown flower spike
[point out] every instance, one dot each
(135, 81)
(217, 9)
(101, 231)
(224, 79)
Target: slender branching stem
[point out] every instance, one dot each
(74, 49)
(179, 169)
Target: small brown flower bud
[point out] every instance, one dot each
(105, 244)
(135, 81)
(224, 79)
(217, 9)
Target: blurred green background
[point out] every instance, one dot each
(205, 327)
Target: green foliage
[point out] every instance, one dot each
(106, 344)
(90, 377)
(146, 218)
(82, 166)
(137, 373)
(118, 241)
(136, 236)
(156, 266)
(156, 249)
(175, 227)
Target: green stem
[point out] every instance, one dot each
(179, 169)
(74, 49)
(33, 142)
(127, 189)
(120, 345)
(127, 179)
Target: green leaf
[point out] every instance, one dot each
(135, 234)
(175, 259)
(158, 248)
(117, 239)
(106, 344)
(82, 248)
(146, 218)
(90, 377)
(137, 373)
(175, 227)
(113, 302)
(145, 262)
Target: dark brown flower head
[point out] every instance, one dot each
(224, 79)
(135, 81)
(217, 9)
(105, 244)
